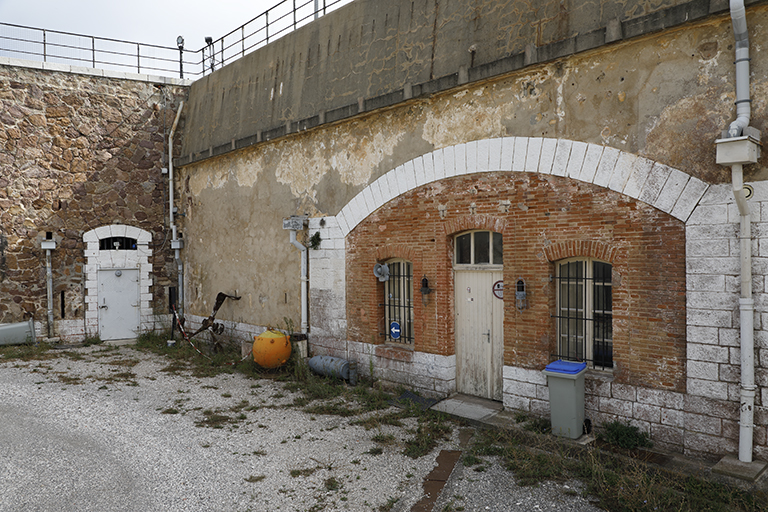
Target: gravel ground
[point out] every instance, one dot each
(94, 430)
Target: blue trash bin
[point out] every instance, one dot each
(565, 380)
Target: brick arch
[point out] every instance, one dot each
(669, 190)
(470, 222)
(390, 251)
(585, 248)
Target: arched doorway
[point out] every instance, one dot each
(117, 281)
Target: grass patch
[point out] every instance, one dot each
(624, 436)
(253, 479)
(295, 473)
(214, 419)
(433, 428)
(619, 483)
(27, 352)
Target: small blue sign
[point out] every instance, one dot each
(394, 330)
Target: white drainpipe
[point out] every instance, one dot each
(304, 280)
(176, 244)
(746, 303)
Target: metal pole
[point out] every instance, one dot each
(93, 50)
(317, 8)
(138, 58)
(242, 39)
(222, 52)
(45, 53)
(181, 62)
(294, 14)
(266, 26)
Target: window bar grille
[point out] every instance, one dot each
(399, 302)
(581, 320)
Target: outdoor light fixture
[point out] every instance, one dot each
(180, 44)
(209, 42)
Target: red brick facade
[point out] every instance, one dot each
(543, 219)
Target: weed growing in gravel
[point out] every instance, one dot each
(253, 479)
(27, 352)
(619, 482)
(433, 428)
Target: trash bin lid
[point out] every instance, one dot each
(569, 367)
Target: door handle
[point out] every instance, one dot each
(104, 307)
(488, 334)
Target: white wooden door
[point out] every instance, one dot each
(119, 304)
(479, 334)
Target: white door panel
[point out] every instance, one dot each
(479, 334)
(119, 303)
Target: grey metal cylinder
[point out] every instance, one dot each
(18, 333)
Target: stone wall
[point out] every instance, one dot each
(78, 152)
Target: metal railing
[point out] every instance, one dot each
(18, 41)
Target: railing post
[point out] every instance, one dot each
(45, 53)
(93, 51)
(266, 26)
(222, 52)
(138, 58)
(242, 39)
(294, 14)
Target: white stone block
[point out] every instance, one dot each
(547, 158)
(702, 370)
(605, 168)
(399, 179)
(709, 389)
(117, 229)
(687, 201)
(494, 155)
(418, 169)
(709, 214)
(521, 149)
(89, 237)
(712, 248)
(621, 171)
(516, 403)
(342, 221)
(533, 154)
(429, 168)
(437, 158)
(703, 335)
(460, 158)
(562, 154)
(378, 200)
(576, 159)
(654, 183)
(392, 190)
(449, 161)
(483, 156)
(709, 317)
(470, 149)
(507, 153)
(637, 178)
(410, 175)
(368, 201)
(591, 161)
(707, 353)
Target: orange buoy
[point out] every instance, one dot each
(271, 349)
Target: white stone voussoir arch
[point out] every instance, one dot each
(107, 259)
(670, 190)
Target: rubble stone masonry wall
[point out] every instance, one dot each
(78, 151)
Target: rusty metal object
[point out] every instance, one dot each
(209, 322)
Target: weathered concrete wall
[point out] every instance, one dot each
(369, 55)
(79, 152)
(665, 97)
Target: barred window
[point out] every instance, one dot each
(117, 243)
(398, 302)
(584, 311)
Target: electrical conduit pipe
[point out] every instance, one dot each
(746, 303)
(174, 241)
